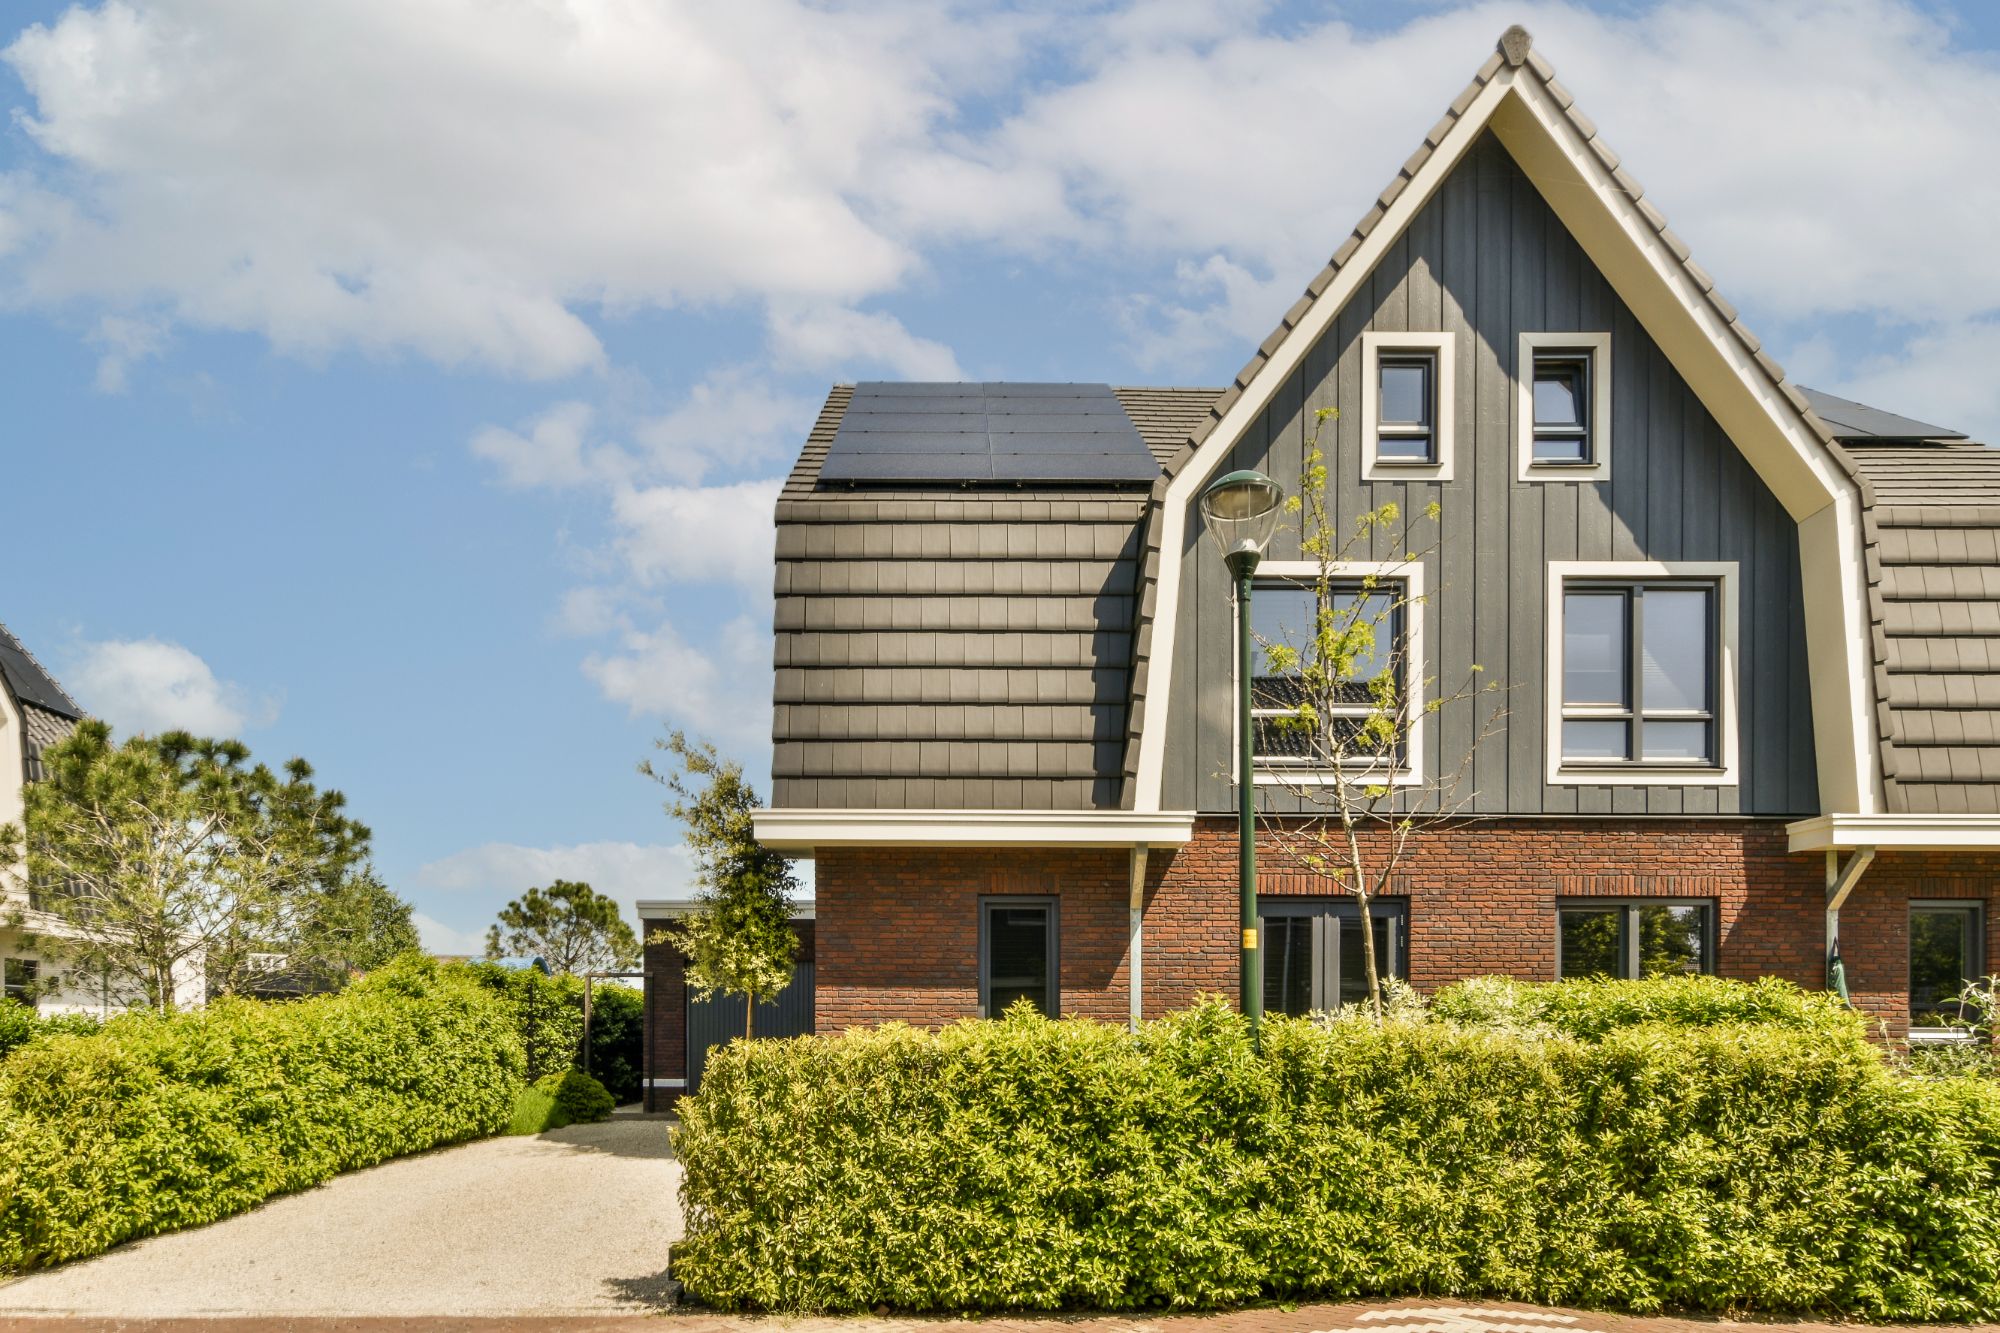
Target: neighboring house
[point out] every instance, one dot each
(1004, 691)
(36, 713)
(681, 1029)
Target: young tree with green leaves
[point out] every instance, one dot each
(570, 926)
(168, 852)
(1340, 693)
(739, 940)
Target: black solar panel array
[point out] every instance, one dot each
(987, 435)
(1850, 420)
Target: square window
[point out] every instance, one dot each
(1562, 408)
(1637, 939)
(1017, 955)
(1639, 668)
(1407, 410)
(1287, 612)
(1945, 948)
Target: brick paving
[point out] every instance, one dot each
(1406, 1316)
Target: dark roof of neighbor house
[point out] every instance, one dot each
(1932, 519)
(48, 714)
(1850, 421)
(987, 435)
(939, 647)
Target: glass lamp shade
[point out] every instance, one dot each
(1241, 511)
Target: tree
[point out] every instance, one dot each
(1341, 694)
(739, 939)
(169, 852)
(570, 926)
(357, 926)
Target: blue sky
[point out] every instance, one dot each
(403, 383)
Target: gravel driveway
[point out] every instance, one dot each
(575, 1221)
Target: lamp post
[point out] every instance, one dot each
(1241, 511)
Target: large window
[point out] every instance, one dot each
(1634, 940)
(1946, 943)
(17, 980)
(1284, 611)
(1407, 399)
(1017, 954)
(1639, 672)
(1313, 952)
(1563, 407)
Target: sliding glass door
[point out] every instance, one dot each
(1313, 952)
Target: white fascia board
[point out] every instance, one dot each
(666, 909)
(800, 832)
(1769, 431)
(1912, 833)
(1249, 407)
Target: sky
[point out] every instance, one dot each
(405, 384)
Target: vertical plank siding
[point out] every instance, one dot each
(1486, 260)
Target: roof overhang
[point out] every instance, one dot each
(668, 909)
(1902, 833)
(803, 832)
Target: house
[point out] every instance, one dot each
(1003, 658)
(35, 713)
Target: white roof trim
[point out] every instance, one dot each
(1649, 277)
(662, 909)
(803, 831)
(1916, 833)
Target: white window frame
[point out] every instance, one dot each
(1725, 772)
(1598, 345)
(1411, 574)
(1437, 346)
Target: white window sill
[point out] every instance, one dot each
(1946, 1036)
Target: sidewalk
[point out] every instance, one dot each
(1410, 1316)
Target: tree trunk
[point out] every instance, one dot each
(1358, 870)
(749, 1014)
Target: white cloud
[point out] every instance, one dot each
(721, 689)
(149, 685)
(438, 937)
(124, 340)
(696, 534)
(550, 451)
(501, 871)
(733, 419)
(832, 338)
(459, 178)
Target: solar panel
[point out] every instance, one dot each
(1850, 420)
(987, 434)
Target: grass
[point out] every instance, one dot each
(535, 1111)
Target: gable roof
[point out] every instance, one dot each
(48, 714)
(1803, 466)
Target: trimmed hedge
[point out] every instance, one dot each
(157, 1123)
(549, 1014)
(1029, 1163)
(20, 1024)
(1590, 1009)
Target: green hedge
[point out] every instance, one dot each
(20, 1024)
(1027, 1163)
(1589, 1009)
(548, 1011)
(156, 1123)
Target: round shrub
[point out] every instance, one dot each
(578, 1097)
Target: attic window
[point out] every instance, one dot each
(1563, 407)
(1406, 406)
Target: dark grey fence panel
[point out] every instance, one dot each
(719, 1020)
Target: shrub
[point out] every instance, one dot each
(20, 1024)
(548, 1012)
(617, 1039)
(578, 1097)
(161, 1122)
(1590, 1009)
(1029, 1163)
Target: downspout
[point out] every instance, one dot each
(1138, 917)
(1840, 882)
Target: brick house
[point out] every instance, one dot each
(1004, 685)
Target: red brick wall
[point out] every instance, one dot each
(899, 926)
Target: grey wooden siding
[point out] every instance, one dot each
(1486, 260)
(954, 649)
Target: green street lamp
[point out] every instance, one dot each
(1241, 511)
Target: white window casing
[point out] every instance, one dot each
(1598, 347)
(1440, 348)
(1408, 573)
(1723, 773)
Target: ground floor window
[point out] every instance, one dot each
(1648, 938)
(1313, 957)
(1017, 954)
(17, 980)
(1945, 945)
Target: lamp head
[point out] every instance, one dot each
(1241, 511)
